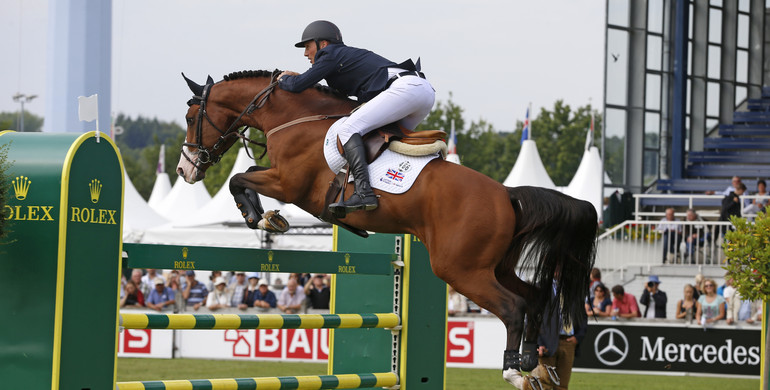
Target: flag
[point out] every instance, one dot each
(590, 135)
(525, 129)
(88, 108)
(452, 144)
(162, 159)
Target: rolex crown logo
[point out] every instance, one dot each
(96, 189)
(270, 256)
(347, 258)
(21, 187)
(184, 253)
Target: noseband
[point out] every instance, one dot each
(212, 155)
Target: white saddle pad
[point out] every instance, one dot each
(391, 172)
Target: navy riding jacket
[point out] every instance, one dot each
(352, 71)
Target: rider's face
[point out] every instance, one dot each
(311, 49)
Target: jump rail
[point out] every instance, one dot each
(258, 321)
(343, 381)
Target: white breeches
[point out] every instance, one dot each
(407, 101)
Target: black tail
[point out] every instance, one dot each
(554, 232)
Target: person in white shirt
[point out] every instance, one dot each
(672, 234)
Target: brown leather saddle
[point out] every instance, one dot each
(377, 141)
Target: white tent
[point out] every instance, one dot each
(137, 215)
(528, 169)
(453, 157)
(587, 182)
(183, 200)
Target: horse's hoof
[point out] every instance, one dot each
(533, 383)
(528, 356)
(513, 376)
(272, 222)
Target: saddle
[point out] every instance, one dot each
(380, 139)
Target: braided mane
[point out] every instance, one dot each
(244, 74)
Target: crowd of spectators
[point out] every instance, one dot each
(172, 292)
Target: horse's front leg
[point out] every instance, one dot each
(245, 188)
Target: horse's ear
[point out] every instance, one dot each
(196, 89)
(209, 80)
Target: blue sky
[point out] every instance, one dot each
(495, 57)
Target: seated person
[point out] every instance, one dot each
(711, 306)
(695, 235)
(132, 297)
(623, 304)
(220, 297)
(601, 304)
(248, 294)
(318, 293)
(672, 234)
(264, 298)
(731, 204)
(193, 291)
(290, 301)
(161, 296)
(757, 205)
(686, 307)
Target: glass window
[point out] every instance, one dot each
(743, 5)
(650, 167)
(743, 31)
(654, 16)
(689, 94)
(714, 62)
(614, 144)
(740, 95)
(652, 92)
(712, 99)
(741, 66)
(617, 66)
(618, 12)
(651, 130)
(711, 124)
(715, 25)
(654, 52)
(716, 3)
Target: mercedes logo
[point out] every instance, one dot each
(611, 347)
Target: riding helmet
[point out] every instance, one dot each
(320, 30)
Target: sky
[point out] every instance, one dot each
(494, 57)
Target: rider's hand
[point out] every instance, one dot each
(287, 73)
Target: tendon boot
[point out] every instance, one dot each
(528, 356)
(363, 197)
(250, 206)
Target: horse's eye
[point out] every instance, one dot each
(189, 121)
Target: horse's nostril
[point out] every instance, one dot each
(180, 172)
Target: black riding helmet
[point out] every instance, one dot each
(320, 30)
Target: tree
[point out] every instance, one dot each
(10, 121)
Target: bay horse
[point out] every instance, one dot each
(476, 230)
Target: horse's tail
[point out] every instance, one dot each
(554, 232)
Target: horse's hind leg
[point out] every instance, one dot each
(484, 289)
(523, 289)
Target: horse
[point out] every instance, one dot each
(477, 231)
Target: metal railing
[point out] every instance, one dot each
(648, 244)
(703, 211)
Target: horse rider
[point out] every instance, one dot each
(392, 93)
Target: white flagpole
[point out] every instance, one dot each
(529, 134)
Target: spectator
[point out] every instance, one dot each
(237, 289)
(759, 204)
(596, 279)
(133, 297)
(264, 298)
(210, 285)
(672, 234)
(193, 291)
(456, 302)
(623, 304)
(175, 284)
(290, 301)
(219, 298)
(653, 299)
(149, 279)
(699, 290)
(136, 277)
(685, 308)
(161, 296)
(711, 306)
(318, 292)
(731, 188)
(739, 309)
(302, 278)
(601, 304)
(695, 235)
(731, 204)
(247, 300)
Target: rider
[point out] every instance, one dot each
(393, 93)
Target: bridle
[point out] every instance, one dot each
(211, 155)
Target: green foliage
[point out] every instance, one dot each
(5, 188)
(10, 121)
(748, 256)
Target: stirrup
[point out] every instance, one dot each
(341, 209)
(272, 222)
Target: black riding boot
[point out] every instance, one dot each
(363, 197)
